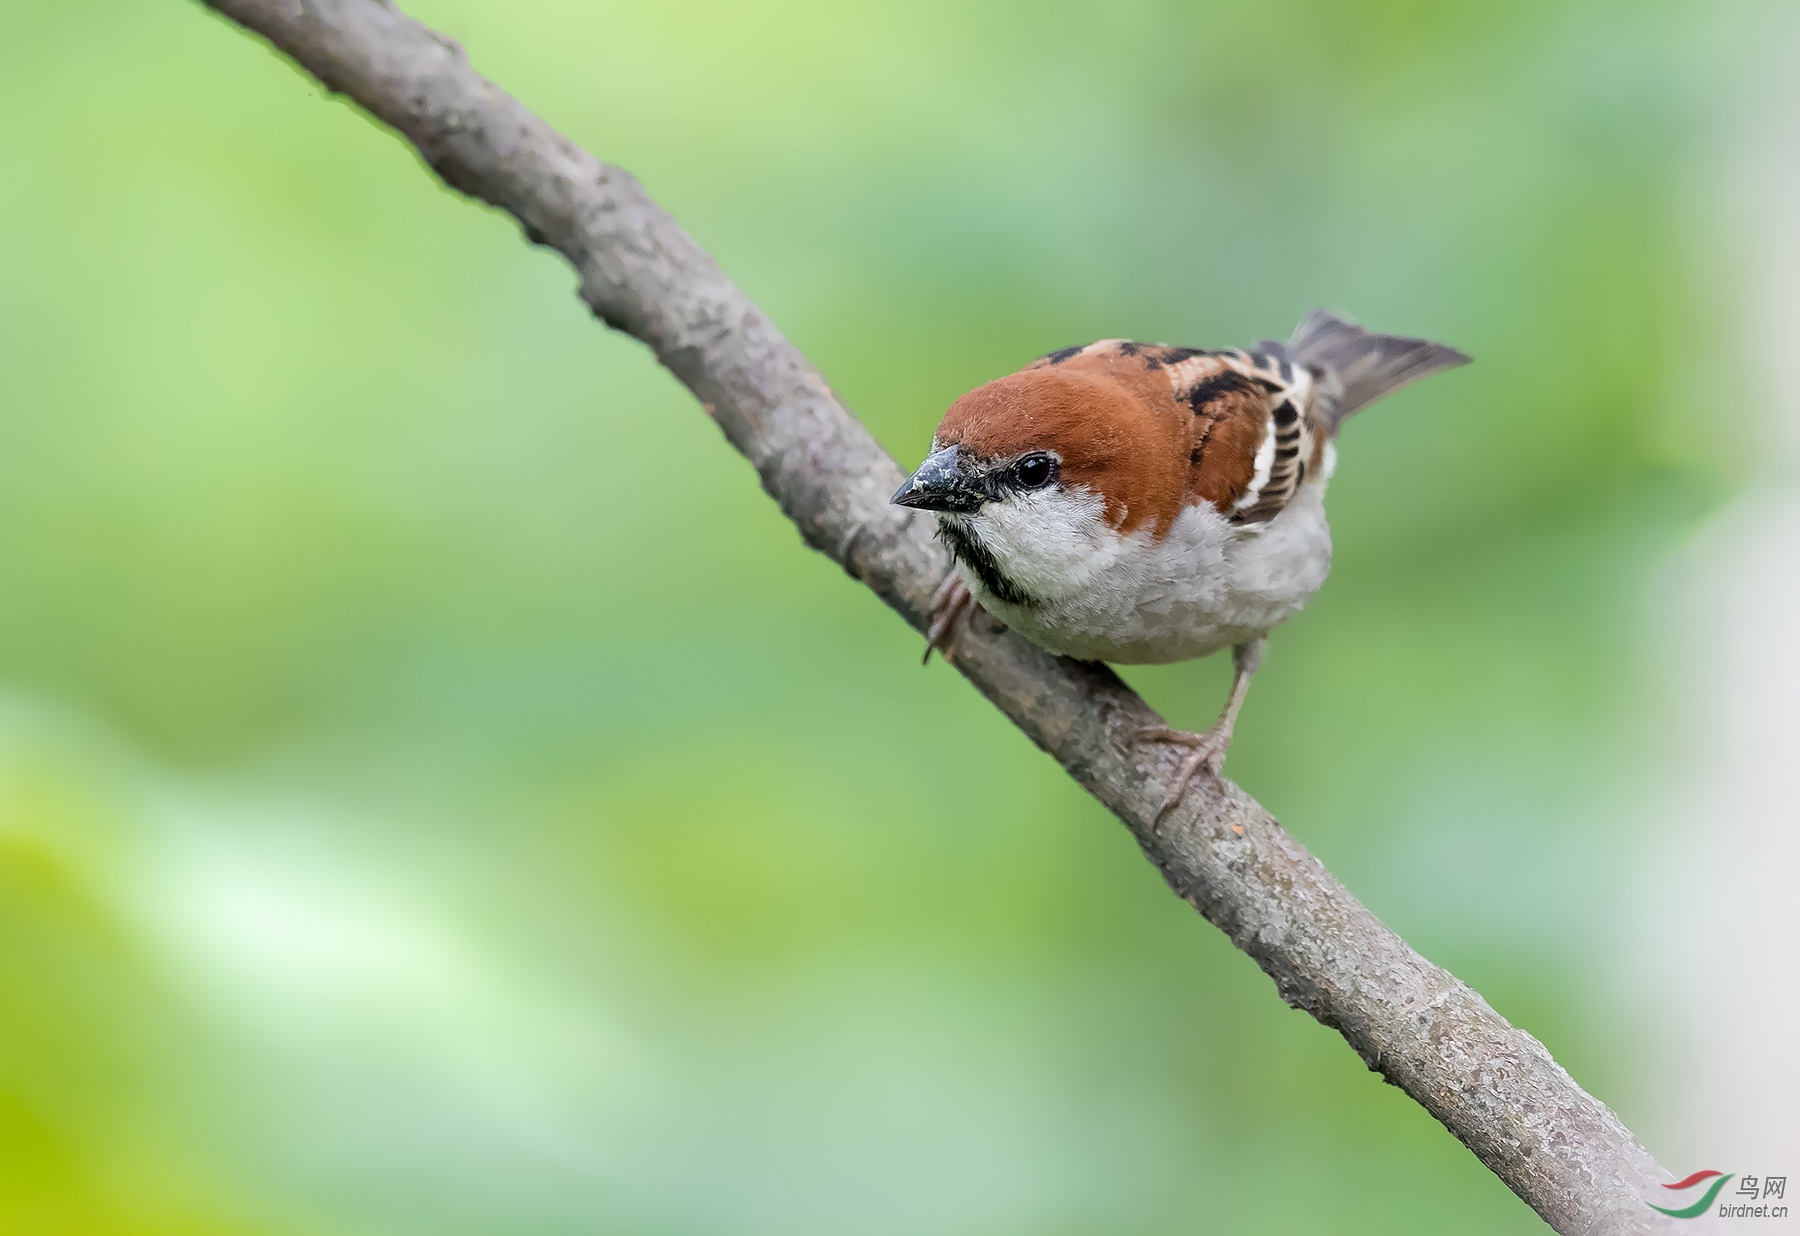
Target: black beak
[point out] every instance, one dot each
(942, 483)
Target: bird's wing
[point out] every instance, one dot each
(1247, 419)
(1256, 436)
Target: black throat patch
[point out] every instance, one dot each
(966, 547)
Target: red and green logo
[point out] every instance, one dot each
(1699, 1207)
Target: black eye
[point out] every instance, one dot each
(1035, 471)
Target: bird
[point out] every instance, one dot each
(1138, 503)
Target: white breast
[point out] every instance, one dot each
(1102, 596)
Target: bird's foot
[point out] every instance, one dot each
(947, 604)
(1205, 750)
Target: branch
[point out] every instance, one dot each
(1493, 1086)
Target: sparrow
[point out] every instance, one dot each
(1141, 504)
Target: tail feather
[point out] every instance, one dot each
(1357, 367)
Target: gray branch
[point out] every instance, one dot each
(1492, 1085)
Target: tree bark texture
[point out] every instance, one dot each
(1492, 1085)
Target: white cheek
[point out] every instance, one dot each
(1050, 541)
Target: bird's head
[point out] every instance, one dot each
(1033, 474)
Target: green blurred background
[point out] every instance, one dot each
(439, 794)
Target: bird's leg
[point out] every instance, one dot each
(1208, 750)
(949, 602)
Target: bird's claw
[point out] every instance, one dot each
(947, 604)
(1206, 750)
